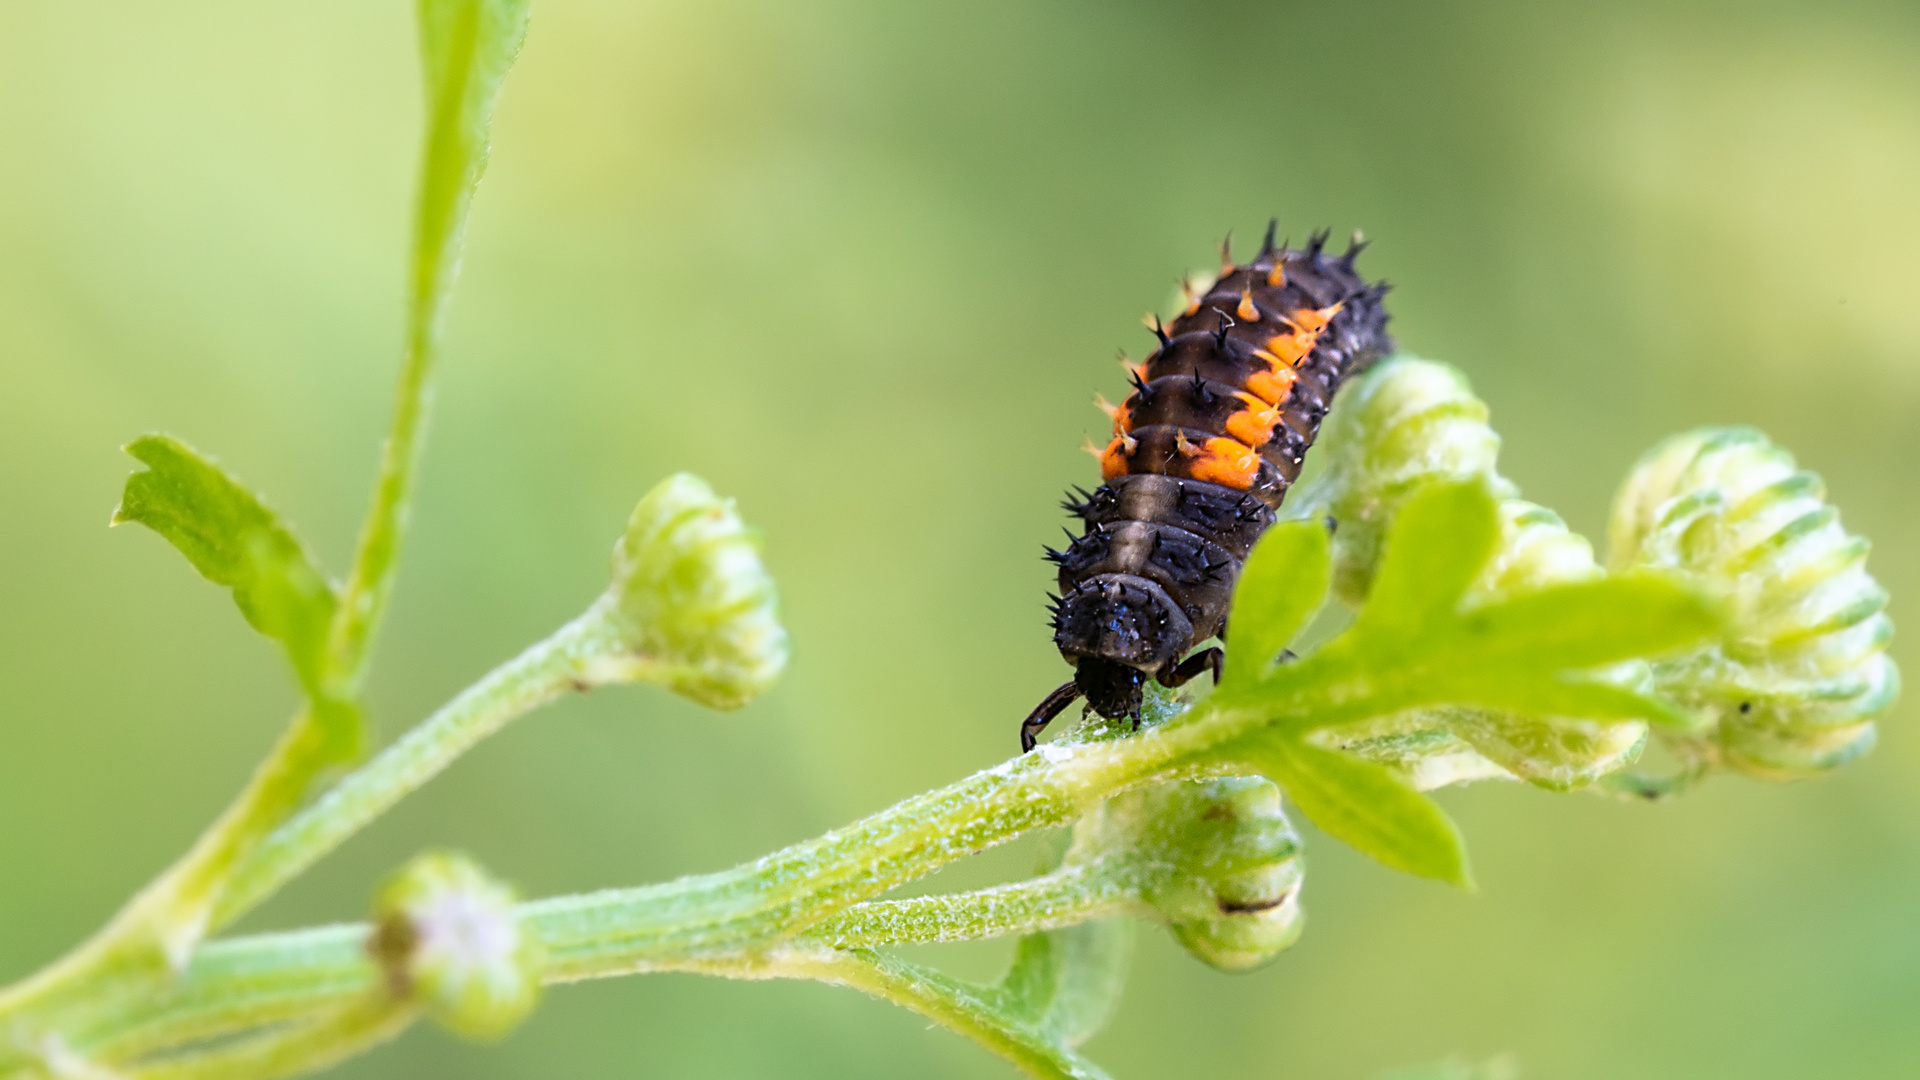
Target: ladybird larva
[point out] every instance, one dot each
(1203, 451)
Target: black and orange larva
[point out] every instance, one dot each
(1220, 418)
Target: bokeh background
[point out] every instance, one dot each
(862, 265)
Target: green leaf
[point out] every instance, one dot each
(466, 47)
(1281, 586)
(977, 1012)
(1417, 644)
(1435, 549)
(1366, 805)
(1066, 983)
(1589, 623)
(234, 541)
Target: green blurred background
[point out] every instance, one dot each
(863, 266)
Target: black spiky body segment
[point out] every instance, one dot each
(1219, 422)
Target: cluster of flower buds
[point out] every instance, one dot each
(1216, 860)
(691, 606)
(449, 940)
(1403, 424)
(1794, 685)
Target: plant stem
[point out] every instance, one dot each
(689, 924)
(1062, 898)
(301, 1048)
(539, 675)
(167, 919)
(237, 986)
(452, 156)
(155, 933)
(789, 891)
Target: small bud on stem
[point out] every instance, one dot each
(690, 606)
(1215, 859)
(1411, 422)
(448, 938)
(1794, 686)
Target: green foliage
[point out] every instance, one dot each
(1793, 687)
(1280, 587)
(1408, 422)
(1216, 860)
(690, 604)
(235, 541)
(1739, 623)
(1400, 426)
(1066, 983)
(1363, 804)
(447, 936)
(466, 49)
(1418, 643)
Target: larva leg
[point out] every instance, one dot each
(1051, 706)
(1186, 670)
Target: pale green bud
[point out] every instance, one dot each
(448, 938)
(1402, 424)
(1793, 687)
(1406, 423)
(1536, 549)
(691, 606)
(1216, 860)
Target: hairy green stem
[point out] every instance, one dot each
(155, 933)
(814, 888)
(539, 675)
(159, 928)
(300, 1048)
(450, 165)
(791, 890)
(1064, 897)
(277, 987)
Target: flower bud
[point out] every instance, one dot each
(1536, 549)
(1403, 423)
(448, 937)
(1793, 687)
(691, 605)
(1214, 859)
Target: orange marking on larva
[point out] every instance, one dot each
(1290, 349)
(1254, 424)
(1122, 420)
(1273, 385)
(1228, 463)
(1185, 448)
(1193, 306)
(1246, 311)
(1313, 320)
(1113, 460)
(1277, 276)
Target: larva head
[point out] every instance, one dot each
(1117, 629)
